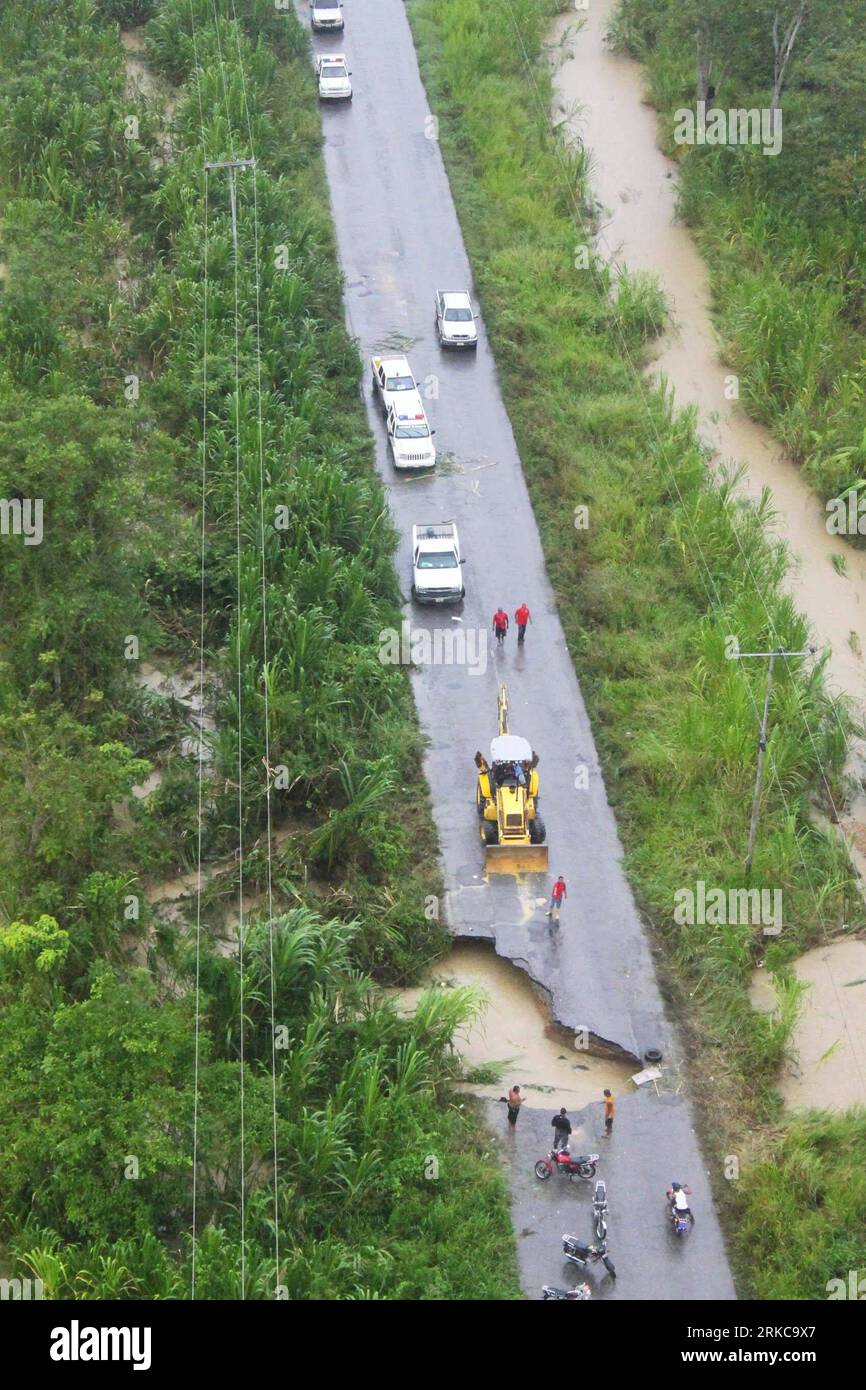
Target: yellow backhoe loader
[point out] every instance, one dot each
(506, 797)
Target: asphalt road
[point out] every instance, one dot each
(399, 240)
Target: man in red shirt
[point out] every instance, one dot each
(557, 893)
(500, 624)
(522, 617)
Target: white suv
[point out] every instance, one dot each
(326, 17)
(410, 435)
(333, 74)
(455, 321)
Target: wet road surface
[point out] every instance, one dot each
(638, 1163)
(399, 240)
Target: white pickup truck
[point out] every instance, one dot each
(437, 576)
(392, 377)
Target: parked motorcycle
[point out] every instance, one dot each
(560, 1160)
(579, 1293)
(599, 1209)
(582, 1255)
(681, 1216)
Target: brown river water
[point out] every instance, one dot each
(513, 1028)
(601, 96)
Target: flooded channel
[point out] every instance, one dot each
(827, 1070)
(514, 1030)
(602, 95)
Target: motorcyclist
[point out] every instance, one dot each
(679, 1201)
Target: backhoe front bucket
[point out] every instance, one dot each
(516, 859)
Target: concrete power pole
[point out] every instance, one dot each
(770, 658)
(232, 165)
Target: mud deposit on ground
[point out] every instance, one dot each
(829, 1069)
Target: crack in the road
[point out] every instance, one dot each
(589, 1041)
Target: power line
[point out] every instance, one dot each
(265, 651)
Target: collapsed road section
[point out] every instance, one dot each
(400, 244)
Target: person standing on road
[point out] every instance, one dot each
(522, 617)
(609, 1112)
(557, 893)
(562, 1129)
(515, 1100)
(500, 624)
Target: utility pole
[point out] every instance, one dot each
(232, 165)
(770, 658)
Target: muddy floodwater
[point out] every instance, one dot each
(602, 95)
(514, 1029)
(828, 1068)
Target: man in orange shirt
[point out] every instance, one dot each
(522, 617)
(609, 1112)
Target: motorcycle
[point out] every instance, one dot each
(560, 1160)
(682, 1221)
(582, 1255)
(599, 1209)
(579, 1293)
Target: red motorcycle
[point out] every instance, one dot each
(561, 1161)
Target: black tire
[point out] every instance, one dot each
(479, 801)
(537, 831)
(490, 832)
(609, 1265)
(600, 1228)
(586, 1171)
(543, 1170)
(653, 1056)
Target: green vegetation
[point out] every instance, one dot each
(782, 236)
(804, 1203)
(668, 567)
(380, 1187)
